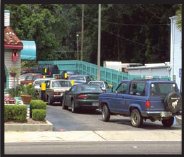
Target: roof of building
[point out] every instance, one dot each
(11, 41)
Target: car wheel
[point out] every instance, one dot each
(73, 107)
(173, 102)
(63, 104)
(50, 102)
(136, 118)
(105, 113)
(168, 122)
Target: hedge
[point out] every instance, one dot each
(17, 113)
(38, 104)
(38, 114)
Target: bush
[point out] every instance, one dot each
(39, 114)
(38, 104)
(15, 113)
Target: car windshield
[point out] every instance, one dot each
(162, 89)
(97, 83)
(90, 89)
(38, 82)
(61, 84)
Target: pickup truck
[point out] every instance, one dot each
(142, 100)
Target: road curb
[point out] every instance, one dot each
(29, 127)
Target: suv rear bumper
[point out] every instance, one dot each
(156, 114)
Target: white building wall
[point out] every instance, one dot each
(8, 64)
(175, 52)
(160, 72)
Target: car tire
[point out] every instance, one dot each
(73, 108)
(173, 102)
(136, 118)
(50, 101)
(105, 113)
(168, 122)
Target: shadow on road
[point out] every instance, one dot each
(147, 125)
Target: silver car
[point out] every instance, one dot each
(103, 84)
(55, 89)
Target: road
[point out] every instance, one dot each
(65, 120)
(66, 123)
(133, 147)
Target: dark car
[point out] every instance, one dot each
(81, 96)
(80, 78)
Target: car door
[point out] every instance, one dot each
(117, 102)
(48, 88)
(69, 94)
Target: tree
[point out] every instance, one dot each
(179, 19)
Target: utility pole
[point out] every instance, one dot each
(82, 32)
(99, 40)
(77, 35)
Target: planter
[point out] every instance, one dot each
(26, 99)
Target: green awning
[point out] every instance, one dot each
(29, 50)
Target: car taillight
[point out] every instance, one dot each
(82, 96)
(147, 104)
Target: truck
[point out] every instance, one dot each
(141, 100)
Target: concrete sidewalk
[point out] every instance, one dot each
(76, 136)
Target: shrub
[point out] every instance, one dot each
(37, 104)
(15, 113)
(39, 114)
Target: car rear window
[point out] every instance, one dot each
(61, 84)
(162, 89)
(77, 78)
(90, 88)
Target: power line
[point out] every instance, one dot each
(143, 25)
(138, 43)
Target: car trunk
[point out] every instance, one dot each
(157, 103)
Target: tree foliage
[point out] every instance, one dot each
(130, 32)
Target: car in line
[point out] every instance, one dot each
(141, 100)
(37, 85)
(30, 77)
(81, 96)
(80, 78)
(103, 84)
(55, 89)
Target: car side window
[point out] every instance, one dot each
(88, 79)
(47, 84)
(73, 89)
(123, 88)
(137, 88)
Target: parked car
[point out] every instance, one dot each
(55, 89)
(70, 72)
(103, 84)
(23, 76)
(142, 100)
(80, 78)
(81, 96)
(37, 85)
(29, 78)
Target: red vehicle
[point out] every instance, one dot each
(29, 79)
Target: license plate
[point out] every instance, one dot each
(95, 104)
(165, 114)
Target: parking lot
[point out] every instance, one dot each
(65, 120)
